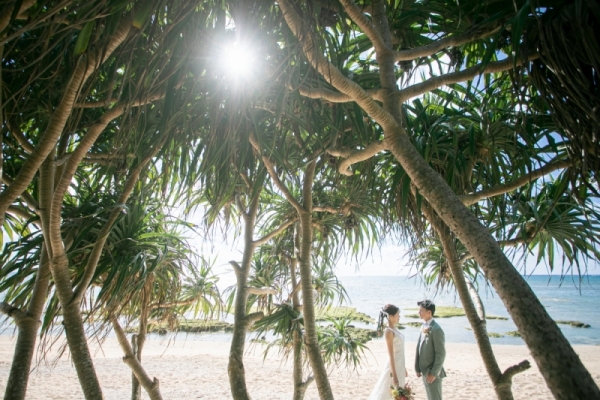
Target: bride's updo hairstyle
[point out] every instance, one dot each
(384, 313)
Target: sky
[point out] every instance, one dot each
(389, 260)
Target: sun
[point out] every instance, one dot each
(238, 61)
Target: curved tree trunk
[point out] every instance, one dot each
(304, 212)
(69, 297)
(562, 369)
(16, 386)
(502, 386)
(310, 335)
(150, 385)
(235, 368)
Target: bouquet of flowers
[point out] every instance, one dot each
(402, 392)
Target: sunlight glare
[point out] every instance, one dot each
(238, 61)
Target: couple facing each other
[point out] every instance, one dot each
(429, 359)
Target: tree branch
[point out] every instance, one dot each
(276, 232)
(236, 267)
(437, 45)
(357, 15)
(343, 210)
(252, 318)
(353, 157)
(23, 213)
(18, 315)
(274, 176)
(25, 196)
(460, 76)
(330, 73)
(17, 133)
(511, 371)
(128, 187)
(335, 97)
(469, 199)
(84, 68)
(151, 386)
(8, 11)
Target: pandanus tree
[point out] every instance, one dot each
(285, 318)
(110, 76)
(342, 224)
(305, 179)
(151, 275)
(491, 154)
(372, 41)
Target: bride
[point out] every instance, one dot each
(394, 370)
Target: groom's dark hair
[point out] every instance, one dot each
(428, 305)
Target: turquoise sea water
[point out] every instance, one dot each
(564, 300)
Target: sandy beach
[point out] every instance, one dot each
(197, 369)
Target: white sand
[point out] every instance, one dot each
(194, 369)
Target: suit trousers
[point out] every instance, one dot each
(433, 389)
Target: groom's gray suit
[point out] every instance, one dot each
(431, 352)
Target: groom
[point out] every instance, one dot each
(431, 352)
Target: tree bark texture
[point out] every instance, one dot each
(478, 324)
(300, 385)
(150, 385)
(139, 340)
(16, 386)
(235, 368)
(308, 308)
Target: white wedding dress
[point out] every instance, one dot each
(382, 390)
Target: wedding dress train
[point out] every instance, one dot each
(382, 389)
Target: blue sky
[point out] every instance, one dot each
(389, 260)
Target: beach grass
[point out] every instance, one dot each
(513, 333)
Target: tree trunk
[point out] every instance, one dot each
(16, 386)
(138, 341)
(478, 324)
(562, 369)
(310, 335)
(150, 385)
(73, 325)
(300, 385)
(235, 368)
(136, 389)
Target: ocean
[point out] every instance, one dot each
(564, 300)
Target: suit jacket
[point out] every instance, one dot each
(431, 354)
